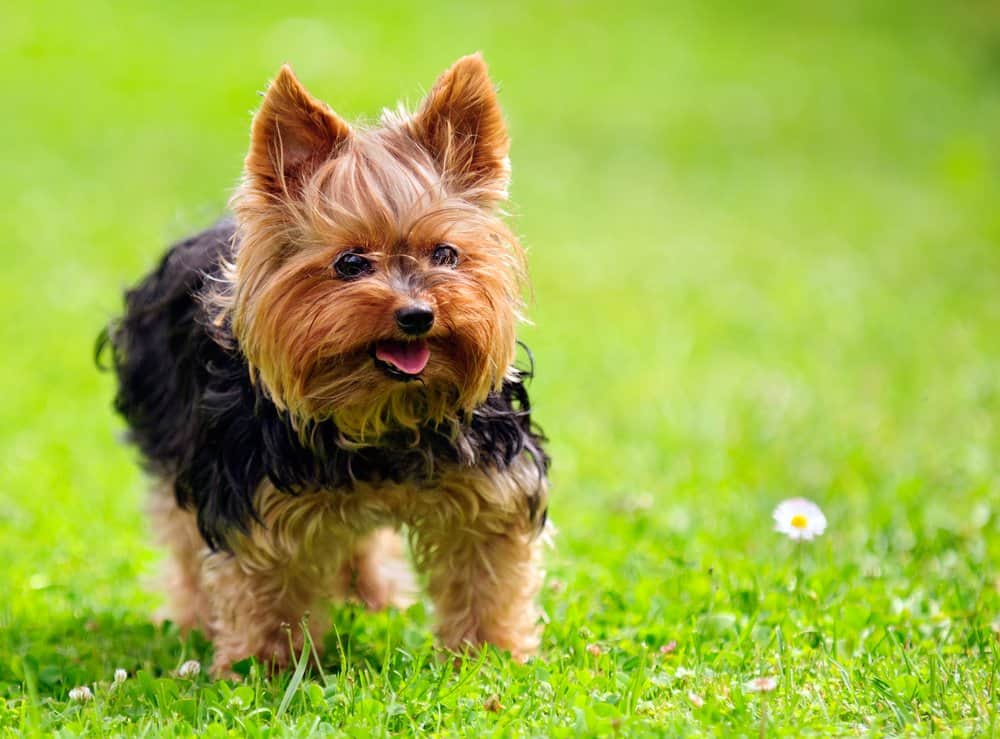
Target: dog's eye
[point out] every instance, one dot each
(351, 265)
(444, 255)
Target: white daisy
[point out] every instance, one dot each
(799, 519)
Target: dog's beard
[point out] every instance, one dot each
(368, 398)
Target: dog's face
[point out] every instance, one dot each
(375, 282)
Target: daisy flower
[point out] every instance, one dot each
(799, 519)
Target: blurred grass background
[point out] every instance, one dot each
(765, 245)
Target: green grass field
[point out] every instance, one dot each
(765, 246)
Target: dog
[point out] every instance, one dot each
(331, 372)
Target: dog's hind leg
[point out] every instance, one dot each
(177, 530)
(381, 572)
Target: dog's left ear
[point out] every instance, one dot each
(292, 134)
(460, 123)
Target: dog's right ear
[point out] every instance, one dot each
(292, 134)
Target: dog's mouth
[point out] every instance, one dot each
(401, 360)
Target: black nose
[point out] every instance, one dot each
(415, 319)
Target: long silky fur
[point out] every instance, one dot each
(186, 392)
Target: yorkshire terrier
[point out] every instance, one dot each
(336, 364)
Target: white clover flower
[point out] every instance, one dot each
(799, 519)
(81, 694)
(761, 685)
(696, 700)
(191, 668)
(120, 676)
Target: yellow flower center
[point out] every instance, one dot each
(799, 521)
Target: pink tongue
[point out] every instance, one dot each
(407, 356)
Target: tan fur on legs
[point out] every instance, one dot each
(473, 534)
(381, 572)
(484, 588)
(177, 530)
(275, 576)
(258, 614)
(483, 563)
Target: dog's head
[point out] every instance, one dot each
(374, 282)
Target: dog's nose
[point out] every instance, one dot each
(415, 319)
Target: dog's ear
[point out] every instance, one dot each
(460, 123)
(292, 134)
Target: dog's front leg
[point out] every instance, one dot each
(259, 612)
(481, 551)
(281, 570)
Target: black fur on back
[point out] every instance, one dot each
(185, 391)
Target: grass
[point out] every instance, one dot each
(765, 245)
